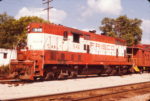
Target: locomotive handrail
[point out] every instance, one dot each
(134, 60)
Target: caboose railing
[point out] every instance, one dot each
(131, 59)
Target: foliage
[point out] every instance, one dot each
(123, 27)
(6, 30)
(13, 31)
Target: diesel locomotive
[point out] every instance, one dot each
(56, 51)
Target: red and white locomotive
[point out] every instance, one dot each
(55, 51)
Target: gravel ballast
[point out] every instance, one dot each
(8, 91)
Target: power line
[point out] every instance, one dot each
(48, 7)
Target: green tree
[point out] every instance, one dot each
(13, 31)
(7, 35)
(123, 27)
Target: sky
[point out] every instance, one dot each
(82, 14)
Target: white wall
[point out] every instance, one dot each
(10, 54)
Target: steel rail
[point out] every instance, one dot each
(91, 98)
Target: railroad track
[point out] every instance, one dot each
(15, 82)
(114, 93)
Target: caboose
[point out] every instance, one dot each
(140, 56)
(56, 51)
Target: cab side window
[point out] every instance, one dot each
(76, 37)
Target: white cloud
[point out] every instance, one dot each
(146, 31)
(56, 16)
(103, 6)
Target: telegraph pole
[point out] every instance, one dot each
(48, 7)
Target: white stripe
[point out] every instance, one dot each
(43, 41)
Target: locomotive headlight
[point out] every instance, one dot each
(28, 28)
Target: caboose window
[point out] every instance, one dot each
(37, 29)
(76, 37)
(65, 35)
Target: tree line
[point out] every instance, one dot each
(123, 27)
(13, 31)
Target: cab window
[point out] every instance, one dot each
(37, 30)
(76, 37)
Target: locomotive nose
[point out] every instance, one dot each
(21, 69)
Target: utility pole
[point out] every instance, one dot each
(48, 7)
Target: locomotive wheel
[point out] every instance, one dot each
(113, 72)
(61, 76)
(56, 75)
(49, 76)
(101, 71)
(74, 74)
(120, 71)
(125, 71)
(131, 70)
(108, 71)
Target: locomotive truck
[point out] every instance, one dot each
(56, 51)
